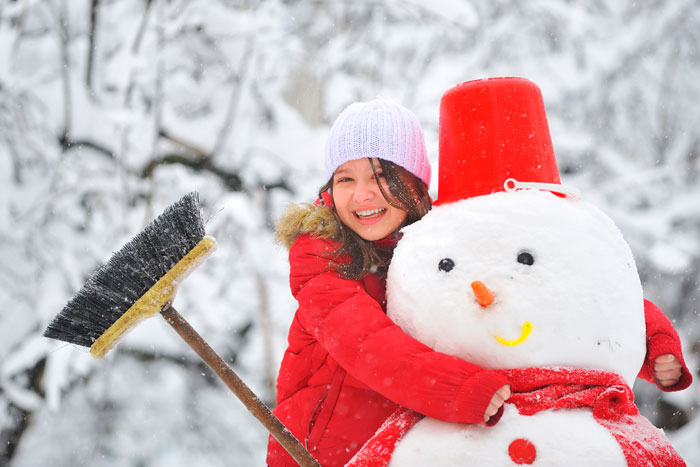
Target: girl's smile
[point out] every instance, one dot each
(359, 201)
(370, 216)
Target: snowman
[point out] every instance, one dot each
(513, 271)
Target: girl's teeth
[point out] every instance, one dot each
(370, 213)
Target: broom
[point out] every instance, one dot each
(141, 280)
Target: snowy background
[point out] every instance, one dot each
(110, 110)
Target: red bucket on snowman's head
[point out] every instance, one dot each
(492, 130)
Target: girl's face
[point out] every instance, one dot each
(359, 202)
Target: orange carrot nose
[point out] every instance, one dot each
(483, 294)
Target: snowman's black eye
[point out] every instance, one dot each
(446, 264)
(526, 258)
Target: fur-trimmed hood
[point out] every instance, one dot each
(305, 218)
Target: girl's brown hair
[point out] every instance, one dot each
(406, 192)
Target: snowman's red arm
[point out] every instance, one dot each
(662, 339)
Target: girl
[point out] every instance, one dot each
(348, 366)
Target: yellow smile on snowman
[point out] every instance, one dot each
(527, 327)
(485, 297)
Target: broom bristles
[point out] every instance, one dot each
(130, 273)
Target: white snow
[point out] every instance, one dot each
(558, 440)
(620, 87)
(581, 301)
(582, 295)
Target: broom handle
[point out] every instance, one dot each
(239, 388)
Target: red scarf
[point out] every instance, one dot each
(537, 389)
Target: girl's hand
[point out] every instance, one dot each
(500, 396)
(667, 370)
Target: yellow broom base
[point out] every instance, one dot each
(155, 299)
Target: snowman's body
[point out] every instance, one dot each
(557, 438)
(566, 294)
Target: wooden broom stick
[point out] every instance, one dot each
(239, 388)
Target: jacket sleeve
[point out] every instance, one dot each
(361, 338)
(662, 339)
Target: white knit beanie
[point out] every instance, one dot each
(380, 129)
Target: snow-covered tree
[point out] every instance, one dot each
(111, 110)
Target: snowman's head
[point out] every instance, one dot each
(520, 279)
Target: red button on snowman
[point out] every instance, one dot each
(513, 271)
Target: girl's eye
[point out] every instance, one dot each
(343, 179)
(446, 264)
(526, 258)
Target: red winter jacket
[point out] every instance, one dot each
(662, 339)
(348, 366)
